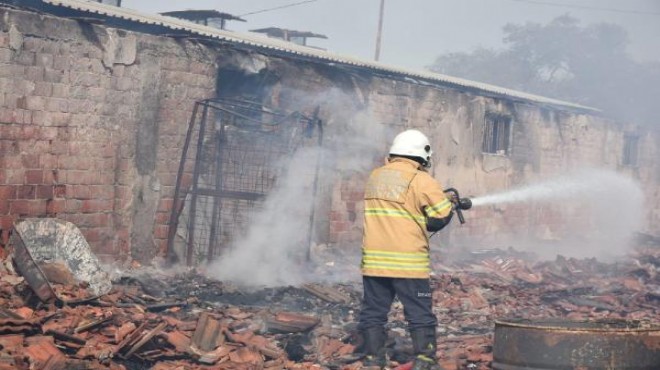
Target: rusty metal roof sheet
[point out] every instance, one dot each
(202, 14)
(262, 42)
(281, 32)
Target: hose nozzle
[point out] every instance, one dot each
(464, 203)
(460, 204)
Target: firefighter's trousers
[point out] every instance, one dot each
(379, 293)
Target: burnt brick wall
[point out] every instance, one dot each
(546, 142)
(92, 121)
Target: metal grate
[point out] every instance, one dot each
(232, 157)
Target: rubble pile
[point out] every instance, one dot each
(130, 329)
(186, 321)
(470, 295)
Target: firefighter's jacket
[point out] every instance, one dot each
(398, 198)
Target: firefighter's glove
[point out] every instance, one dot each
(452, 198)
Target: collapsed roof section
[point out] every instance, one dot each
(168, 26)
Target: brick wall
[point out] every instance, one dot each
(546, 142)
(92, 121)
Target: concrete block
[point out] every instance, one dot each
(25, 58)
(60, 90)
(103, 192)
(55, 206)
(8, 191)
(42, 118)
(28, 207)
(96, 205)
(44, 60)
(55, 76)
(24, 117)
(61, 62)
(59, 191)
(4, 207)
(15, 177)
(43, 89)
(35, 103)
(53, 104)
(60, 118)
(5, 55)
(44, 191)
(72, 206)
(34, 177)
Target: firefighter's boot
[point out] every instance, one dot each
(424, 346)
(374, 346)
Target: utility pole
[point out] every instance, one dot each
(380, 29)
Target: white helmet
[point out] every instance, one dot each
(412, 143)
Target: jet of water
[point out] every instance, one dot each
(591, 183)
(609, 203)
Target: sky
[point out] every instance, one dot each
(415, 32)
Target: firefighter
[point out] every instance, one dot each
(402, 203)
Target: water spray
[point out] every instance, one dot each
(589, 182)
(590, 213)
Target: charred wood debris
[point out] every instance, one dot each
(161, 321)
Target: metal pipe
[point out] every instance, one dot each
(176, 208)
(319, 157)
(380, 29)
(217, 203)
(193, 199)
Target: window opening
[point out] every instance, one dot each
(497, 133)
(630, 149)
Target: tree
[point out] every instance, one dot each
(564, 60)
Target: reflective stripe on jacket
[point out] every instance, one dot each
(398, 198)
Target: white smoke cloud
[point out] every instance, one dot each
(273, 251)
(275, 248)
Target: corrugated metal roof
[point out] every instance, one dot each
(260, 41)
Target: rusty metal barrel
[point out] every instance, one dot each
(522, 344)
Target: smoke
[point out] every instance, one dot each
(586, 64)
(354, 137)
(595, 213)
(275, 248)
(273, 251)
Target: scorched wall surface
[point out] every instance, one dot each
(92, 120)
(363, 110)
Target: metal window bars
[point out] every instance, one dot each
(232, 156)
(497, 133)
